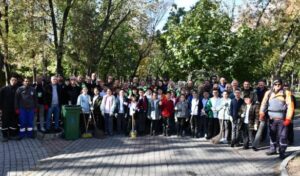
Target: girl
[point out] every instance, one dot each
(224, 116)
(154, 114)
(181, 114)
(84, 100)
(132, 114)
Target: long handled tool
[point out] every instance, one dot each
(133, 133)
(98, 133)
(216, 139)
(86, 134)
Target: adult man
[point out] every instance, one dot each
(247, 91)
(261, 90)
(280, 108)
(53, 102)
(235, 86)
(39, 88)
(7, 106)
(235, 113)
(25, 104)
(222, 85)
(73, 91)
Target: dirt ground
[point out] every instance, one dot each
(294, 166)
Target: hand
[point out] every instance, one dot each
(255, 127)
(187, 119)
(261, 116)
(176, 108)
(287, 122)
(160, 103)
(102, 113)
(46, 107)
(17, 111)
(111, 114)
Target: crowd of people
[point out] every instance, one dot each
(236, 114)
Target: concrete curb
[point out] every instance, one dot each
(284, 163)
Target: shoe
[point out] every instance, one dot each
(4, 139)
(281, 156)
(232, 145)
(245, 147)
(271, 153)
(57, 130)
(224, 141)
(254, 149)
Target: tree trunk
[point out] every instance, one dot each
(59, 42)
(5, 41)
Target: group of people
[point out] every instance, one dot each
(235, 114)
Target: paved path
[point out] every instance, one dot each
(142, 156)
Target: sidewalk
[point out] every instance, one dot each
(143, 156)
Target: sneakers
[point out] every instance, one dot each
(281, 155)
(271, 153)
(254, 149)
(4, 139)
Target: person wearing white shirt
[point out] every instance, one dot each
(196, 107)
(108, 106)
(250, 114)
(121, 112)
(224, 116)
(213, 107)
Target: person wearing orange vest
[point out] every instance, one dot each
(278, 103)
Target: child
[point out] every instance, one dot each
(132, 114)
(250, 119)
(181, 114)
(212, 107)
(195, 109)
(154, 114)
(84, 100)
(224, 116)
(167, 110)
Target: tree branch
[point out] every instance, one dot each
(261, 14)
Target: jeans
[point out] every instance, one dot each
(54, 109)
(235, 131)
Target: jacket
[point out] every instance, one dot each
(213, 107)
(182, 109)
(96, 104)
(224, 109)
(125, 104)
(154, 113)
(112, 105)
(25, 98)
(7, 100)
(235, 108)
(253, 118)
(167, 108)
(48, 94)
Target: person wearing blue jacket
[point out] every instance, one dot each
(235, 113)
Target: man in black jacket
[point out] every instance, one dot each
(53, 103)
(7, 106)
(235, 113)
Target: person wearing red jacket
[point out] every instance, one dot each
(167, 111)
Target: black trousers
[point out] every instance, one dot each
(9, 124)
(290, 134)
(213, 127)
(166, 126)
(154, 127)
(195, 123)
(121, 123)
(181, 125)
(141, 122)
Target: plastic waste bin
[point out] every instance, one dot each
(71, 116)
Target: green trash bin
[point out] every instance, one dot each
(71, 116)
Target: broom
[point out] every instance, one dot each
(97, 132)
(216, 139)
(86, 134)
(133, 131)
